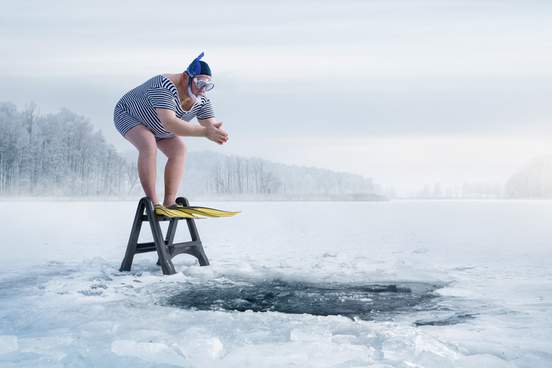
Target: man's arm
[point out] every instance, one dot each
(205, 122)
(178, 126)
(183, 128)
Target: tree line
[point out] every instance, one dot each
(215, 173)
(532, 180)
(56, 154)
(61, 154)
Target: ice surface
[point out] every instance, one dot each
(8, 343)
(63, 301)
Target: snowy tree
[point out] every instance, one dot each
(533, 180)
(57, 154)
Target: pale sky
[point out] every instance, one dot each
(407, 92)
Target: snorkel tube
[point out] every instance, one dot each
(195, 68)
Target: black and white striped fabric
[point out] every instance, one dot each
(138, 106)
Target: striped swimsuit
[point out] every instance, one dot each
(138, 106)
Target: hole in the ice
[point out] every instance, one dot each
(372, 301)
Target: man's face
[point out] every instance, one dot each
(196, 91)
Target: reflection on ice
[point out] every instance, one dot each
(370, 301)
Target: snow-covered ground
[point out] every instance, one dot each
(436, 284)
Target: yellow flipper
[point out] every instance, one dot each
(211, 212)
(173, 213)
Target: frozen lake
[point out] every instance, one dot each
(309, 284)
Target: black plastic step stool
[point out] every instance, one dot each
(165, 248)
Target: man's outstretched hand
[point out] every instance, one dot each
(215, 133)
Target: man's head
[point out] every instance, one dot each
(199, 76)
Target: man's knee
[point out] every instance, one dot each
(148, 150)
(182, 148)
(176, 149)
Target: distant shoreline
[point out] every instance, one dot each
(195, 199)
(252, 199)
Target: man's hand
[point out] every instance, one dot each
(215, 133)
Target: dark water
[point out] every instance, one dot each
(371, 301)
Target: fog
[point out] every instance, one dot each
(410, 93)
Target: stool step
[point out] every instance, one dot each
(150, 246)
(162, 218)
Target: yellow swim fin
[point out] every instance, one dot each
(161, 210)
(211, 212)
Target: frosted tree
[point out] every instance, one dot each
(59, 154)
(533, 180)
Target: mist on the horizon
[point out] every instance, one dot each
(413, 94)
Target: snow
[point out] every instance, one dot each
(63, 301)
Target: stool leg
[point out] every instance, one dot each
(162, 250)
(198, 251)
(133, 239)
(169, 239)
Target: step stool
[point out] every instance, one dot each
(165, 248)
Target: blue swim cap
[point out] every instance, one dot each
(197, 67)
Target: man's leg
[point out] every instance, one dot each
(176, 152)
(144, 140)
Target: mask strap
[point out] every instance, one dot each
(190, 93)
